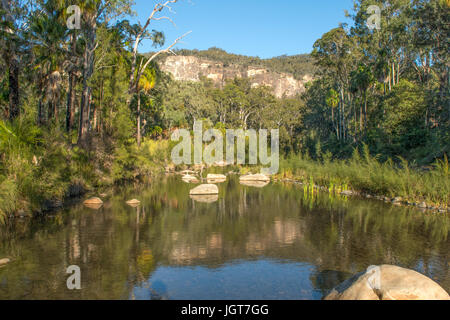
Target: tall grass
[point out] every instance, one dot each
(8, 197)
(131, 162)
(364, 173)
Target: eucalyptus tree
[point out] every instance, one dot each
(220, 106)
(237, 94)
(431, 40)
(268, 113)
(332, 101)
(94, 12)
(385, 46)
(138, 33)
(362, 78)
(336, 53)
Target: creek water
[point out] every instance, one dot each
(274, 242)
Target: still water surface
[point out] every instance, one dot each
(276, 242)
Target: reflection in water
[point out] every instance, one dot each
(276, 242)
(94, 206)
(255, 184)
(205, 198)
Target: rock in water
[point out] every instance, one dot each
(133, 203)
(93, 201)
(255, 177)
(190, 179)
(4, 261)
(388, 282)
(216, 178)
(397, 200)
(94, 206)
(205, 189)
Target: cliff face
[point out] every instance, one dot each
(190, 68)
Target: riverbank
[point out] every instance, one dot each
(39, 177)
(365, 176)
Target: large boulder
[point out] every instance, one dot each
(255, 177)
(205, 189)
(216, 178)
(388, 282)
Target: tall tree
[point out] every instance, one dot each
(12, 22)
(363, 79)
(146, 84)
(94, 13)
(139, 33)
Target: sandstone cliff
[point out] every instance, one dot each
(190, 68)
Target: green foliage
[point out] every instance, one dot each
(132, 163)
(332, 98)
(8, 198)
(19, 135)
(403, 122)
(369, 175)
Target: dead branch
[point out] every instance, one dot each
(167, 50)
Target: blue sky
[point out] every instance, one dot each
(264, 28)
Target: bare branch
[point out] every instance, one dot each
(165, 18)
(158, 8)
(168, 49)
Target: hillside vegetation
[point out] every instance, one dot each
(296, 65)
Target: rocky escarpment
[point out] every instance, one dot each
(190, 68)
